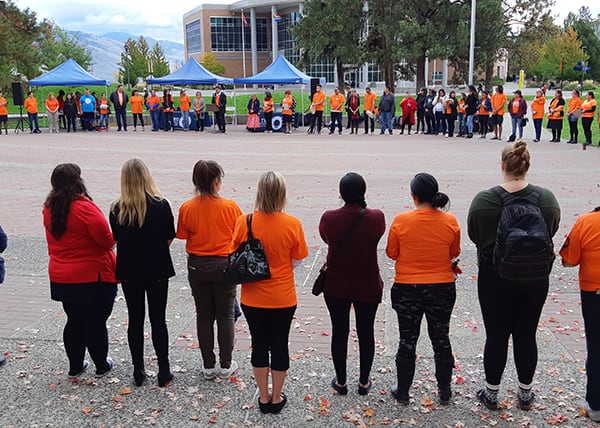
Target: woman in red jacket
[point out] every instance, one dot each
(81, 268)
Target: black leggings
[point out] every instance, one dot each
(573, 130)
(421, 120)
(586, 123)
(509, 309)
(269, 331)
(135, 295)
(483, 124)
(137, 116)
(86, 328)
(339, 311)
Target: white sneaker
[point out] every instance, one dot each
(594, 415)
(210, 374)
(226, 373)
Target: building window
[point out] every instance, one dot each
(287, 42)
(192, 37)
(324, 69)
(226, 34)
(374, 73)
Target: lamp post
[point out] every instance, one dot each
(472, 41)
(128, 65)
(583, 50)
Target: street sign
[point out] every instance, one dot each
(580, 68)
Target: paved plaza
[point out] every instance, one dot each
(35, 390)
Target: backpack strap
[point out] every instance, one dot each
(507, 198)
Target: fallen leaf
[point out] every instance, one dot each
(86, 410)
(125, 390)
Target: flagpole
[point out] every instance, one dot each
(243, 45)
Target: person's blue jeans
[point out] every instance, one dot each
(537, 124)
(154, 114)
(185, 115)
(470, 123)
(103, 121)
(33, 121)
(517, 124)
(336, 117)
(590, 307)
(440, 125)
(121, 115)
(386, 121)
(462, 124)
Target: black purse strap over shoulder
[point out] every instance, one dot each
(249, 224)
(352, 227)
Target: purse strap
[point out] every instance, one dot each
(249, 224)
(352, 227)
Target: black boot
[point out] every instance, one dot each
(164, 373)
(405, 372)
(139, 375)
(443, 374)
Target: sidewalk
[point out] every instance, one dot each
(36, 390)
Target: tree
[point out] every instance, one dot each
(209, 62)
(158, 64)
(565, 50)
(134, 60)
(331, 29)
(57, 45)
(588, 31)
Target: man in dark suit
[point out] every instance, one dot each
(220, 100)
(119, 99)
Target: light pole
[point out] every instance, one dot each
(472, 41)
(128, 65)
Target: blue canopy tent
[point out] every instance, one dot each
(69, 73)
(280, 72)
(191, 73)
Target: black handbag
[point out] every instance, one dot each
(319, 284)
(249, 262)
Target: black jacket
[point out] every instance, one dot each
(70, 108)
(222, 100)
(471, 104)
(114, 98)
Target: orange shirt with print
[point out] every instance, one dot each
(537, 107)
(153, 101)
(288, 101)
(206, 223)
(52, 105)
(3, 109)
(423, 242)
(319, 100)
(283, 239)
(461, 106)
(336, 101)
(574, 103)
(482, 111)
(588, 108)
(515, 104)
(582, 247)
(103, 106)
(498, 103)
(268, 105)
(30, 105)
(185, 102)
(137, 103)
(369, 101)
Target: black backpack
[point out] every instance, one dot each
(524, 251)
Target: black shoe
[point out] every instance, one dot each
(164, 378)
(587, 143)
(526, 398)
(364, 390)
(469, 135)
(401, 397)
(74, 374)
(487, 400)
(342, 390)
(571, 142)
(264, 407)
(105, 371)
(445, 394)
(276, 408)
(139, 377)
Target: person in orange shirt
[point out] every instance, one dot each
(31, 106)
(104, 109)
(268, 111)
(199, 108)
(287, 111)
(462, 117)
(424, 282)
(483, 113)
(184, 104)
(582, 248)
(153, 106)
(52, 112)
(269, 305)
(369, 109)
(573, 115)
(499, 100)
(588, 107)
(206, 222)
(318, 105)
(538, 105)
(3, 114)
(336, 102)
(556, 112)
(137, 103)
(168, 108)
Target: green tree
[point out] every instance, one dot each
(209, 62)
(331, 29)
(588, 30)
(158, 64)
(565, 50)
(57, 45)
(134, 60)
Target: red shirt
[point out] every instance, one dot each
(84, 253)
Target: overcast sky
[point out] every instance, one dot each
(159, 19)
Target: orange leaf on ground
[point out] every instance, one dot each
(86, 410)
(125, 390)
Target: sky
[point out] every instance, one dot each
(159, 19)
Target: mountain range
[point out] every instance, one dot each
(106, 51)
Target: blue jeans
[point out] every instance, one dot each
(154, 117)
(33, 120)
(537, 124)
(386, 121)
(517, 123)
(440, 123)
(590, 307)
(336, 117)
(462, 128)
(121, 115)
(470, 123)
(103, 121)
(185, 115)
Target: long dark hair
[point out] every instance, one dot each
(425, 187)
(67, 186)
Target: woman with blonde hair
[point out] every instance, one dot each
(143, 227)
(206, 222)
(269, 305)
(511, 304)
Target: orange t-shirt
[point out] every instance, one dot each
(461, 106)
(537, 107)
(206, 223)
(185, 102)
(423, 242)
(268, 105)
(319, 100)
(153, 101)
(30, 105)
(287, 105)
(574, 103)
(587, 106)
(582, 247)
(369, 101)
(3, 109)
(498, 103)
(516, 103)
(283, 239)
(52, 105)
(336, 101)
(482, 111)
(137, 103)
(103, 102)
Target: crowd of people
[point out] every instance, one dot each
(512, 280)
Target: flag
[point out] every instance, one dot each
(277, 17)
(244, 21)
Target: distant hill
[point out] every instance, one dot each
(106, 51)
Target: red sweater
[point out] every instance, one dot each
(84, 253)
